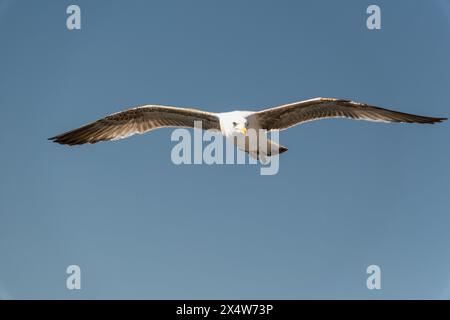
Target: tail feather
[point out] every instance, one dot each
(282, 149)
(272, 149)
(275, 148)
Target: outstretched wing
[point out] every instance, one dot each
(289, 115)
(137, 120)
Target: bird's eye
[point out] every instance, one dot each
(234, 123)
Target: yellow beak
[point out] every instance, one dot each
(244, 130)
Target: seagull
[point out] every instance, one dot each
(143, 119)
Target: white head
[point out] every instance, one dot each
(233, 123)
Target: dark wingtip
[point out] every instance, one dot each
(58, 140)
(55, 140)
(436, 120)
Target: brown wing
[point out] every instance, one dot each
(289, 115)
(137, 120)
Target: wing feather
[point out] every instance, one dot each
(137, 121)
(290, 115)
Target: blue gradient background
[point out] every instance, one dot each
(348, 194)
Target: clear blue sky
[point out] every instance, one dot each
(349, 193)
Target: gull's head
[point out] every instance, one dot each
(240, 125)
(233, 124)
